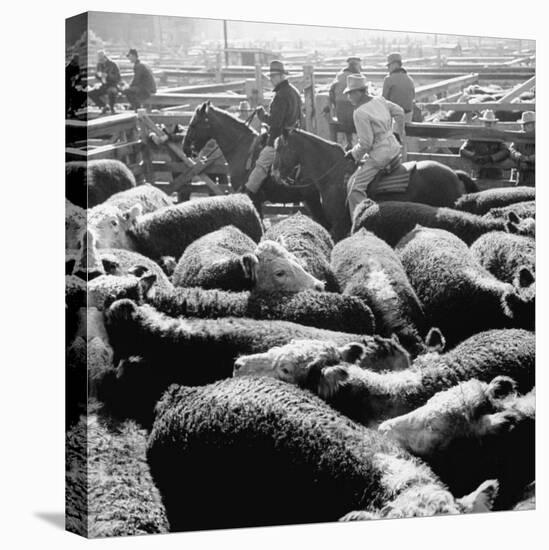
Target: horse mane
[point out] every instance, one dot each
(230, 118)
(332, 145)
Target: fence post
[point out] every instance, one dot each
(258, 79)
(148, 169)
(309, 93)
(218, 71)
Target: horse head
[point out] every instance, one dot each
(199, 131)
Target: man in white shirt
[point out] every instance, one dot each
(377, 144)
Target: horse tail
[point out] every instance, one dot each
(468, 182)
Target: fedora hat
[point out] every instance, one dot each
(355, 82)
(132, 51)
(353, 58)
(489, 116)
(393, 57)
(527, 116)
(277, 67)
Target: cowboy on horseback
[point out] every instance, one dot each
(284, 113)
(377, 145)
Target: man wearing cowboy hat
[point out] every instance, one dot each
(524, 154)
(485, 156)
(377, 145)
(108, 74)
(284, 113)
(143, 85)
(340, 102)
(399, 88)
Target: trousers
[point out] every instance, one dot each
(136, 97)
(261, 169)
(358, 183)
(105, 90)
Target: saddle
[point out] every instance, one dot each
(394, 178)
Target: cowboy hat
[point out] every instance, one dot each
(394, 57)
(488, 116)
(132, 51)
(277, 67)
(355, 82)
(353, 58)
(527, 116)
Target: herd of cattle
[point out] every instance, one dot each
(225, 374)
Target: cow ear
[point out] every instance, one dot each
(513, 218)
(511, 227)
(353, 352)
(501, 387)
(282, 241)
(481, 499)
(249, 263)
(435, 340)
(168, 264)
(524, 277)
(330, 380)
(133, 213)
(146, 283)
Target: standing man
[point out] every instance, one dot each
(75, 96)
(284, 113)
(340, 102)
(143, 85)
(399, 88)
(486, 156)
(108, 74)
(377, 144)
(524, 154)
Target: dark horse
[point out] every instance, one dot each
(235, 139)
(324, 163)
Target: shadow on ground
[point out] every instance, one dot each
(57, 519)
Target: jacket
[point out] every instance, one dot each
(284, 111)
(374, 123)
(109, 69)
(493, 151)
(143, 79)
(336, 94)
(399, 88)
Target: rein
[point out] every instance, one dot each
(247, 122)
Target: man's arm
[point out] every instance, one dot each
(386, 88)
(466, 151)
(501, 154)
(278, 109)
(365, 135)
(397, 112)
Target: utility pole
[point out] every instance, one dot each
(225, 42)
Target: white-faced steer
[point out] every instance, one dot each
(473, 431)
(291, 363)
(273, 268)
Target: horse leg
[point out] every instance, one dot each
(335, 208)
(311, 198)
